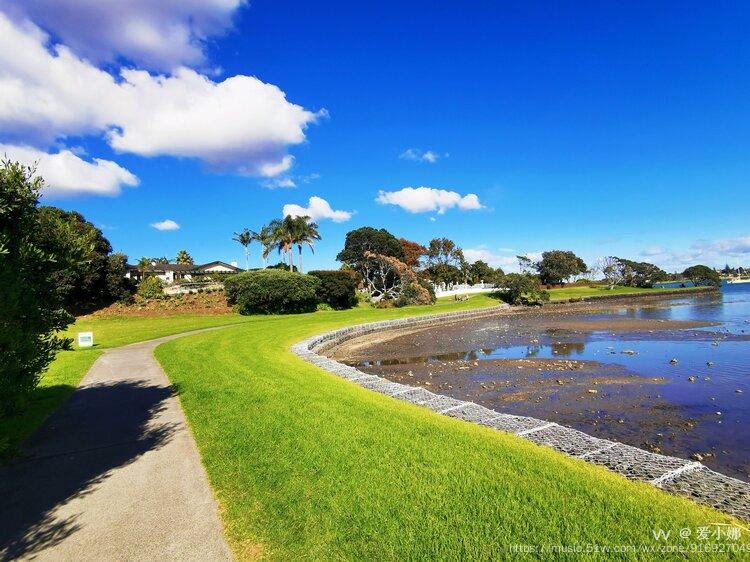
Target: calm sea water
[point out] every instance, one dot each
(702, 405)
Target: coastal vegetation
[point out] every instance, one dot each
(702, 275)
(56, 263)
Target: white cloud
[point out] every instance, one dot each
(241, 124)
(417, 155)
(731, 246)
(159, 34)
(65, 173)
(486, 255)
(427, 199)
(714, 253)
(166, 224)
(276, 183)
(317, 209)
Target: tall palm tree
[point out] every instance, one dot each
(266, 238)
(143, 266)
(285, 236)
(306, 234)
(245, 238)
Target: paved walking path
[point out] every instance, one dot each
(114, 474)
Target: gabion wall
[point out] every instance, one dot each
(675, 475)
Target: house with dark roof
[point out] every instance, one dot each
(175, 272)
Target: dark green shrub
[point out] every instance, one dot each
(338, 288)
(31, 304)
(518, 288)
(272, 291)
(151, 288)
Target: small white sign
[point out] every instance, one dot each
(85, 339)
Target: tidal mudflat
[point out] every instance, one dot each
(670, 375)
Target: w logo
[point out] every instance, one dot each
(661, 534)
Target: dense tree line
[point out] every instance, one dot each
(53, 264)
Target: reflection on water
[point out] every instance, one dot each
(677, 391)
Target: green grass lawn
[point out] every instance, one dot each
(595, 291)
(309, 466)
(115, 331)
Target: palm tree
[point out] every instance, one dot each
(183, 258)
(306, 233)
(143, 266)
(245, 238)
(265, 237)
(283, 236)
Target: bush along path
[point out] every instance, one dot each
(113, 474)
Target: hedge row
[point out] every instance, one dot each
(275, 291)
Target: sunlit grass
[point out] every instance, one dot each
(309, 466)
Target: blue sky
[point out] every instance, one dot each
(601, 128)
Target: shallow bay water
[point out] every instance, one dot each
(669, 375)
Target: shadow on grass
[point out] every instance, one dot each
(16, 428)
(99, 429)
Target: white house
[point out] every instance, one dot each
(174, 272)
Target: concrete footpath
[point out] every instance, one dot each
(114, 474)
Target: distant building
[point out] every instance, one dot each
(176, 272)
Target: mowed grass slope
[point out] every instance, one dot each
(308, 466)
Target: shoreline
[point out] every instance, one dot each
(578, 305)
(676, 475)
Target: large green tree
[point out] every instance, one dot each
(364, 251)
(368, 239)
(702, 275)
(31, 306)
(558, 266)
(83, 282)
(444, 251)
(481, 271)
(640, 274)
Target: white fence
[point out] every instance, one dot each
(447, 289)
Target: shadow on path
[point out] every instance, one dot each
(100, 428)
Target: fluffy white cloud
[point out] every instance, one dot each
(166, 224)
(241, 124)
(486, 255)
(65, 173)
(418, 155)
(159, 34)
(427, 199)
(317, 209)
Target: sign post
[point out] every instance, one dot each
(85, 339)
